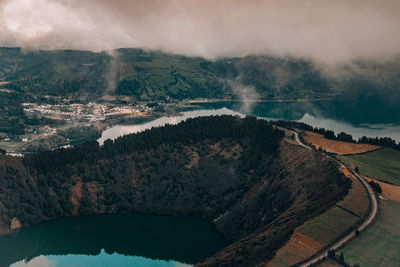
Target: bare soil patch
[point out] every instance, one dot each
(100, 126)
(301, 245)
(347, 173)
(76, 197)
(194, 158)
(391, 192)
(298, 248)
(228, 150)
(337, 147)
(357, 200)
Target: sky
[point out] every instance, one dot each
(327, 31)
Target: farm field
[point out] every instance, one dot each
(390, 192)
(357, 200)
(320, 231)
(378, 245)
(327, 227)
(382, 164)
(9, 145)
(334, 146)
(299, 247)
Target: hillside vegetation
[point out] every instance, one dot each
(379, 245)
(151, 75)
(237, 173)
(334, 146)
(146, 75)
(320, 231)
(383, 164)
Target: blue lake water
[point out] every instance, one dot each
(365, 118)
(112, 240)
(142, 240)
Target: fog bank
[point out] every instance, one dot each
(322, 30)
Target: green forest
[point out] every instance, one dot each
(151, 75)
(238, 173)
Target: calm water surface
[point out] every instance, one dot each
(141, 240)
(112, 240)
(358, 119)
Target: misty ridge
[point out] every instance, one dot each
(154, 75)
(326, 32)
(188, 49)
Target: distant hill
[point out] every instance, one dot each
(237, 173)
(151, 75)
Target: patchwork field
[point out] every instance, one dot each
(337, 147)
(357, 201)
(320, 231)
(382, 164)
(9, 145)
(390, 192)
(327, 227)
(299, 247)
(380, 244)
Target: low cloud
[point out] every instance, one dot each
(247, 94)
(112, 72)
(323, 30)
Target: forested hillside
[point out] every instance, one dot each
(237, 173)
(151, 75)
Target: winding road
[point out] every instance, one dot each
(366, 223)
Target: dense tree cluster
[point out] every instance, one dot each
(380, 141)
(375, 186)
(342, 136)
(191, 131)
(146, 75)
(13, 119)
(237, 173)
(11, 114)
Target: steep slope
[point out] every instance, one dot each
(237, 173)
(152, 75)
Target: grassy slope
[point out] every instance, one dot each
(357, 200)
(154, 75)
(380, 244)
(324, 229)
(256, 199)
(383, 164)
(327, 227)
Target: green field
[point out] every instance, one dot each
(382, 164)
(328, 227)
(9, 145)
(380, 244)
(357, 201)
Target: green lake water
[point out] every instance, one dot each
(112, 240)
(370, 117)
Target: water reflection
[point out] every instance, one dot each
(103, 259)
(120, 130)
(368, 118)
(113, 240)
